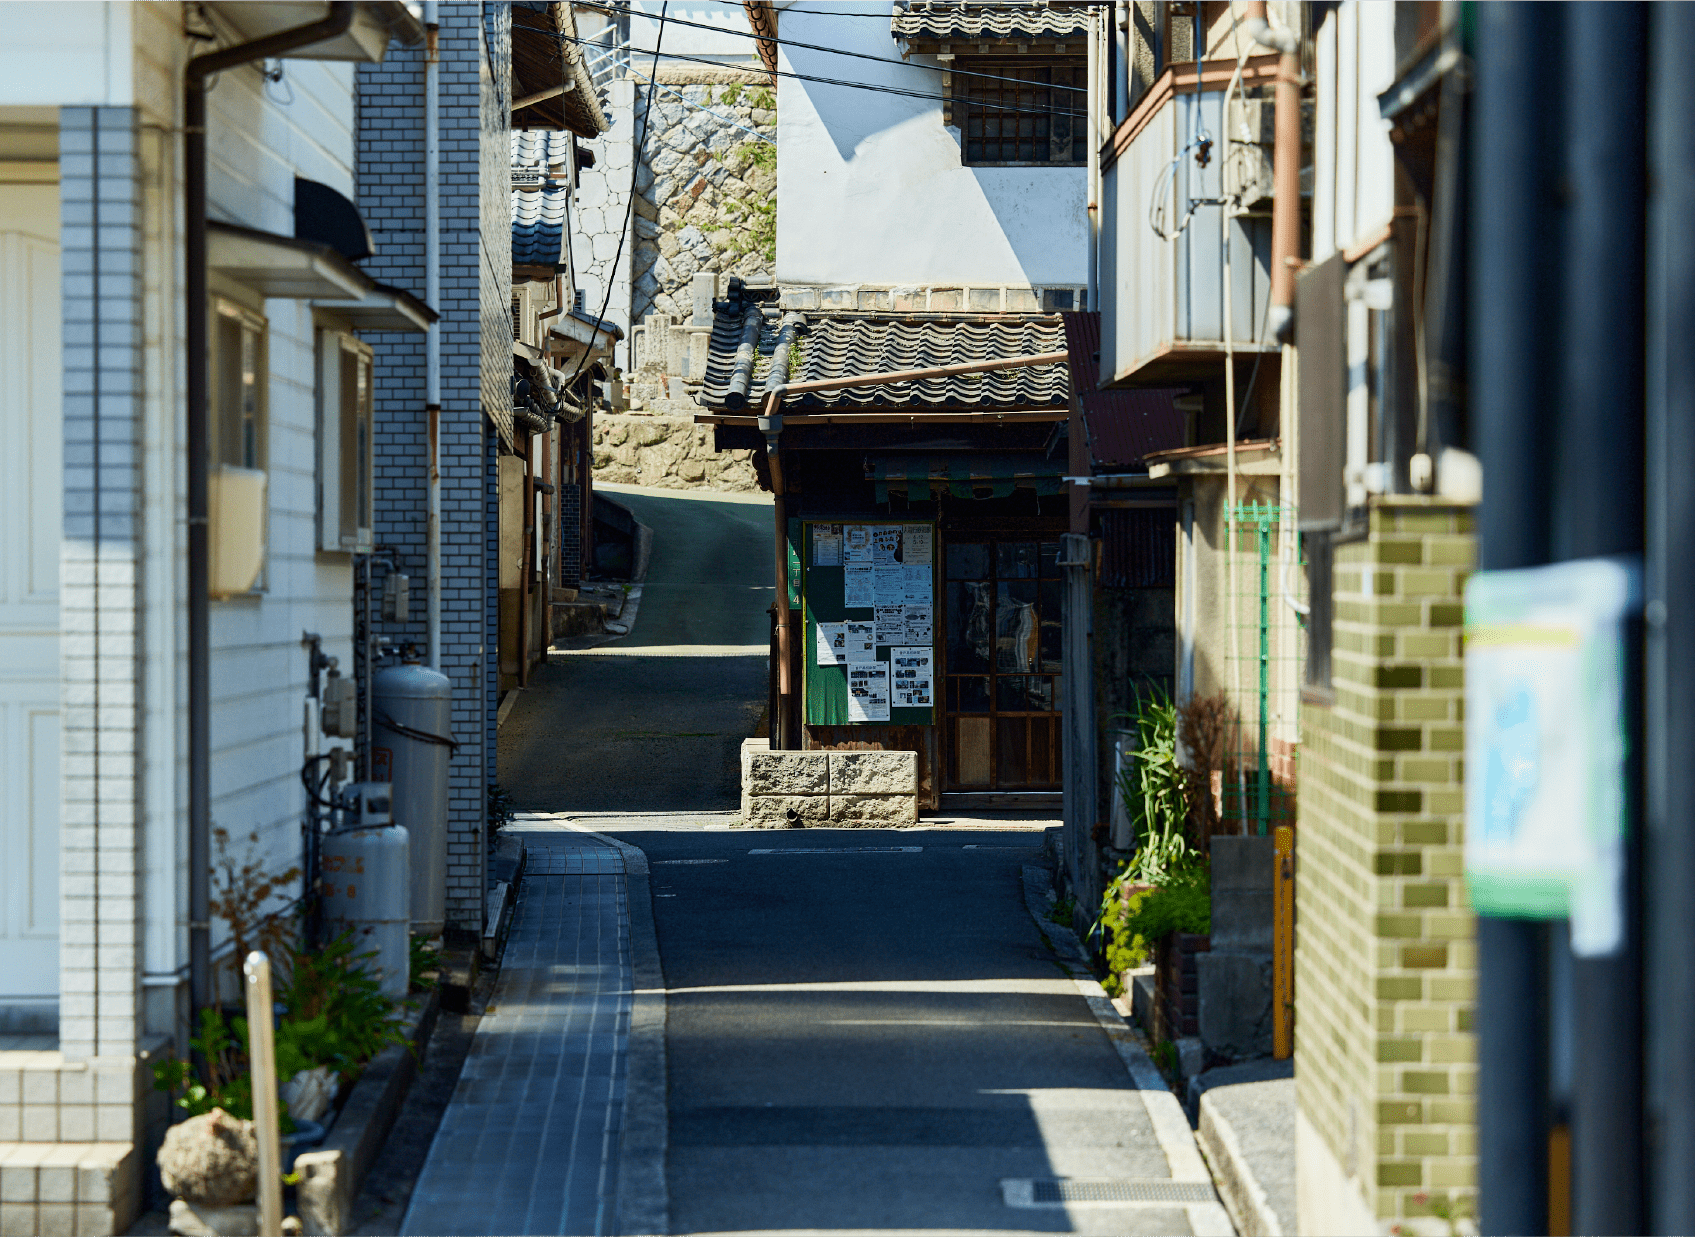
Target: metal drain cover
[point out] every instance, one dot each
(1071, 1191)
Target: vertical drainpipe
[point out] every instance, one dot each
(196, 425)
(1285, 169)
(432, 340)
(1093, 189)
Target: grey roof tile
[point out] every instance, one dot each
(538, 225)
(836, 345)
(986, 19)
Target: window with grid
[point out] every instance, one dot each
(1019, 111)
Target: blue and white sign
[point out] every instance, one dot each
(1545, 744)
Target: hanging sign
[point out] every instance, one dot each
(1545, 745)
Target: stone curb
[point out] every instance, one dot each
(1244, 1197)
(643, 1203)
(332, 1174)
(1171, 1127)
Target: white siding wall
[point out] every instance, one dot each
(261, 136)
(30, 496)
(1354, 161)
(871, 187)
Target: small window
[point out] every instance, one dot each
(1022, 111)
(345, 443)
(238, 424)
(1321, 616)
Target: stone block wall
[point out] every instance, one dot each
(670, 452)
(833, 790)
(705, 186)
(1385, 956)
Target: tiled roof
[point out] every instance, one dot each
(540, 148)
(838, 345)
(538, 225)
(1011, 20)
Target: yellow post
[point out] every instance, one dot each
(1283, 947)
(266, 1122)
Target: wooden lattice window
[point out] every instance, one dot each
(1027, 117)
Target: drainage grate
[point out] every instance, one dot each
(1064, 1191)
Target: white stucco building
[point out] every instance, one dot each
(950, 173)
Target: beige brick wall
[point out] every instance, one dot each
(1385, 959)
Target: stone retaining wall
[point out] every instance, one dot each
(827, 789)
(670, 452)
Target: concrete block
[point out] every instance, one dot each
(1234, 1002)
(885, 809)
(873, 773)
(241, 1220)
(1191, 1056)
(788, 773)
(323, 1191)
(1243, 862)
(772, 811)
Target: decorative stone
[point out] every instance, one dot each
(772, 811)
(188, 1220)
(788, 773)
(210, 1160)
(882, 809)
(873, 773)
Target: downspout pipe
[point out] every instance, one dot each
(1093, 186)
(432, 341)
(197, 388)
(1285, 171)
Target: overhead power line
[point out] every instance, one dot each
(893, 90)
(836, 51)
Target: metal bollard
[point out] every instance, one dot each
(261, 1044)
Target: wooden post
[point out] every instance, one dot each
(261, 1048)
(1283, 947)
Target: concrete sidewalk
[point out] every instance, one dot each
(541, 1135)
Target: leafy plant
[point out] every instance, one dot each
(1448, 1210)
(1063, 912)
(502, 811)
(244, 894)
(1204, 724)
(425, 964)
(338, 1014)
(761, 99)
(1165, 1057)
(1154, 787)
(1183, 904)
(1125, 950)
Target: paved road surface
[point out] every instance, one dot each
(864, 1030)
(872, 1038)
(646, 723)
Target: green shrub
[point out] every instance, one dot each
(1154, 787)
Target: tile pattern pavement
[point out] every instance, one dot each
(529, 1143)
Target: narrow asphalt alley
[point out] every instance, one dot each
(654, 721)
(861, 1030)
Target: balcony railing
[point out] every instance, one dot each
(1169, 177)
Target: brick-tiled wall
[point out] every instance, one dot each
(1385, 958)
(476, 348)
(100, 595)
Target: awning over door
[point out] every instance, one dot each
(962, 476)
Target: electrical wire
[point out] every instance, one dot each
(630, 205)
(837, 51)
(894, 90)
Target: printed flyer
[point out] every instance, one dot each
(868, 691)
(826, 545)
(914, 677)
(832, 644)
